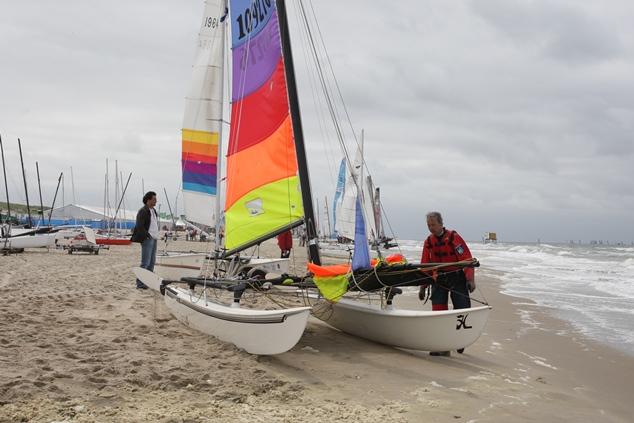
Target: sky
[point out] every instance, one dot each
(512, 117)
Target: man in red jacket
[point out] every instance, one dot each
(285, 242)
(446, 246)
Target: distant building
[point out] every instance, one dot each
(94, 217)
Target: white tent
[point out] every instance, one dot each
(73, 212)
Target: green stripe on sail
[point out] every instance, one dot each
(262, 212)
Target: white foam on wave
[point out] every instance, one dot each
(538, 360)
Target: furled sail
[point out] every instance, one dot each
(203, 119)
(341, 181)
(263, 196)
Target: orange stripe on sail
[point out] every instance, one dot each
(199, 149)
(268, 161)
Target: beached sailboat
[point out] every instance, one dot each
(20, 242)
(14, 239)
(268, 192)
(201, 163)
(356, 186)
(253, 212)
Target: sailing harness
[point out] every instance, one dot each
(444, 251)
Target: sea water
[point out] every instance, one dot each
(589, 285)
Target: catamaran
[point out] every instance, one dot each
(268, 192)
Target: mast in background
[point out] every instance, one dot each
(26, 191)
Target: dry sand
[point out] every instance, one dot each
(80, 344)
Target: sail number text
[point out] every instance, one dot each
(252, 17)
(211, 22)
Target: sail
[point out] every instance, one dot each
(203, 118)
(262, 189)
(326, 233)
(341, 181)
(361, 256)
(376, 200)
(346, 212)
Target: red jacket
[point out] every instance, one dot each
(449, 248)
(285, 240)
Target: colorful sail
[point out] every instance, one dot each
(262, 194)
(203, 118)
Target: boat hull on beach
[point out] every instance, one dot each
(261, 332)
(409, 329)
(112, 241)
(20, 242)
(256, 331)
(175, 265)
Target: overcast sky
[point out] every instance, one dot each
(507, 116)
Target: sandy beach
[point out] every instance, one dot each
(80, 344)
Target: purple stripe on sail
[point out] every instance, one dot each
(201, 168)
(253, 67)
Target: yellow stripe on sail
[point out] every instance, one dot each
(200, 143)
(200, 137)
(263, 211)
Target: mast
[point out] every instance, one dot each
(6, 185)
(298, 134)
(59, 180)
(39, 187)
(26, 191)
(114, 218)
(219, 162)
(72, 180)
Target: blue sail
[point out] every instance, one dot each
(361, 256)
(341, 182)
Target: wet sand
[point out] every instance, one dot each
(80, 344)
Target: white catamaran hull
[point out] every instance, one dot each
(410, 329)
(279, 265)
(262, 332)
(170, 265)
(29, 241)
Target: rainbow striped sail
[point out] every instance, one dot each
(203, 118)
(263, 196)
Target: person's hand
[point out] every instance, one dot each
(471, 286)
(421, 292)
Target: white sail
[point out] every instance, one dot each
(326, 230)
(202, 121)
(346, 212)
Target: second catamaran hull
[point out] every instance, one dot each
(262, 332)
(178, 265)
(256, 331)
(410, 329)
